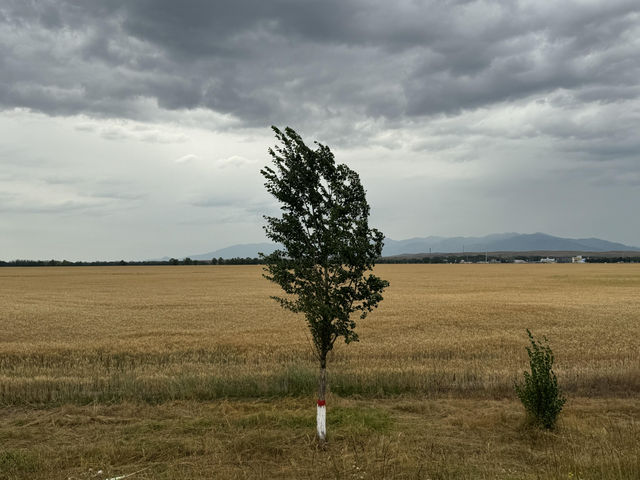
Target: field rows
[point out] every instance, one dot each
(167, 333)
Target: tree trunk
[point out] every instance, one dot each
(322, 407)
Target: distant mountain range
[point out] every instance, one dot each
(501, 242)
(237, 251)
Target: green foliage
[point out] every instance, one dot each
(328, 248)
(539, 393)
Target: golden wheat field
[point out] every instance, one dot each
(193, 372)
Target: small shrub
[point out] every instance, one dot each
(539, 393)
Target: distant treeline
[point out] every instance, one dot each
(461, 258)
(440, 259)
(257, 261)
(99, 263)
(614, 260)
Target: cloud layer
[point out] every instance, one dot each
(514, 106)
(300, 61)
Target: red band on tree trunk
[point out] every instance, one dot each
(321, 403)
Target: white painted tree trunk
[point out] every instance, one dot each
(322, 420)
(321, 417)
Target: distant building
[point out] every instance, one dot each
(518, 260)
(578, 259)
(548, 260)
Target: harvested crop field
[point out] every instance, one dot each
(193, 372)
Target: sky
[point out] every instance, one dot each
(137, 129)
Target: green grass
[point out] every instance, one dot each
(58, 385)
(17, 463)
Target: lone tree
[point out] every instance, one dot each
(328, 249)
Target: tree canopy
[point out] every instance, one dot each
(327, 247)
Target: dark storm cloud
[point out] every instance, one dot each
(300, 61)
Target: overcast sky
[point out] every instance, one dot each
(137, 129)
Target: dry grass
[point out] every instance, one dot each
(405, 438)
(166, 333)
(178, 369)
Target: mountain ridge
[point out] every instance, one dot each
(496, 242)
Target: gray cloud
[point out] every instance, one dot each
(214, 201)
(11, 203)
(292, 61)
(470, 106)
